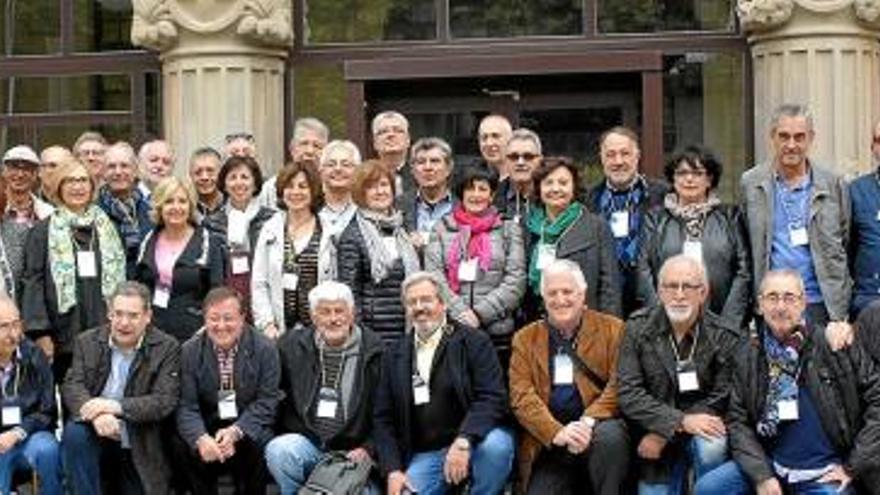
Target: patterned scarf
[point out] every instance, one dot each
(381, 261)
(549, 233)
(693, 215)
(610, 201)
(131, 216)
(782, 366)
(475, 231)
(62, 253)
(8, 279)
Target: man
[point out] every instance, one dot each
(432, 167)
(493, 133)
(623, 199)
(157, 162)
(23, 210)
(27, 440)
(50, 159)
(204, 169)
(124, 381)
(803, 418)
(391, 141)
(864, 245)
(339, 160)
(522, 158)
(674, 379)
(798, 217)
(329, 376)
(124, 202)
(89, 148)
(240, 144)
(563, 392)
(310, 136)
(440, 402)
(228, 397)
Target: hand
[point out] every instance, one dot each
(47, 346)
(705, 425)
(468, 317)
(455, 469)
(209, 451)
(839, 335)
(418, 239)
(837, 475)
(225, 439)
(580, 435)
(107, 426)
(98, 406)
(271, 331)
(8, 439)
(770, 486)
(651, 446)
(359, 454)
(397, 482)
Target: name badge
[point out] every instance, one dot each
(161, 296)
(11, 415)
(620, 223)
(563, 371)
(467, 270)
(788, 410)
(290, 281)
(421, 394)
(687, 381)
(390, 244)
(226, 405)
(328, 401)
(425, 235)
(517, 218)
(86, 267)
(693, 249)
(240, 264)
(546, 255)
(799, 237)
(878, 215)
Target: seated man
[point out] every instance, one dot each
(440, 402)
(27, 441)
(329, 375)
(674, 379)
(228, 397)
(803, 418)
(563, 392)
(124, 380)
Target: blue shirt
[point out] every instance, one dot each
(114, 388)
(792, 211)
(803, 444)
(428, 214)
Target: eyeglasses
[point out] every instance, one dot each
(338, 164)
(684, 173)
(8, 326)
(515, 157)
(239, 135)
(686, 287)
(788, 298)
(75, 180)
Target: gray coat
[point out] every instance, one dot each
(496, 294)
(828, 231)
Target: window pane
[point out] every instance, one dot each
(319, 91)
(32, 27)
(645, 16)
(510, 18)
(102, 25)
(339, 21)
(153, 104)
(64, 94)
(65, 135)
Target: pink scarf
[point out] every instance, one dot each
(479, 245)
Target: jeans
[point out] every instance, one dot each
(701, 454)
(490, 463)
(38, 452)
(729, 479)
(95, 465)
(291, 458)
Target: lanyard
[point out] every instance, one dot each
(324, 372)
(15, 382)
(693, 347)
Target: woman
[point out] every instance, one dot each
(240, 220)
(292, 254)
(481, 258)
(561, 227)
(179, 260)
(693, 221)
(375, 254)
(74, 260)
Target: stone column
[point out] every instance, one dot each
(223, 65)
(824, 53)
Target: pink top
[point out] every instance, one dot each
(167, 252)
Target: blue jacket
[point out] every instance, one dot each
(36, 389)
(131, 229)
(864, 243)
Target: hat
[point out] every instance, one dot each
(21, 153)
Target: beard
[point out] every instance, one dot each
(679, 314)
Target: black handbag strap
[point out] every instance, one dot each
(584, 368)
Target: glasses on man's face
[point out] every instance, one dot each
(788, 298)
(676, 287)
(8, 326)
(239, 135)
(683, 173)
(515, 157)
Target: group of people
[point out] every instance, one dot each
(438, 323)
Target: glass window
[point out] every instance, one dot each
(510, 18)
(102, 25)
(319, 91)
(340, 21)
(43, 136)
(64, 94)
(31, 27)
(646, 16)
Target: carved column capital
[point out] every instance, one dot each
(763, 15)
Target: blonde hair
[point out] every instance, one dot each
(65, 168)
(165, 189)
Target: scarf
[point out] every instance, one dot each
(693, 215)
(782, 366)
(350, 354)
(6, 276)
(62, 253)
(382, 261)
(131, 216)
(475, 232)
(612, 200)
(238, 222)
(548, 233)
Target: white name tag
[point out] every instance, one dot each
(687, 381)
(327, 408)
(693, 249)
(563, 371)
(467, 270)
(290, 280)
(799, 237)
(390, 244)
(425, 236)
(620, 223)
(878, 215)
(226, 407)
(546, 255)
(11, 416)
(421, 394)
(161, 296)
(788, 410)
(240, 264)
(86, 266)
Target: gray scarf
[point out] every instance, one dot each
(381, 261)
(350, 352)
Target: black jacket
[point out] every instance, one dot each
(199, 268)
(255, 378)
(845, 386)
(218, 223)
(36, 390)
(725, 245)
(469, 356)
(300, 381)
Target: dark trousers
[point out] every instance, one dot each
(95, 465)
(247, 467)
(602, 467)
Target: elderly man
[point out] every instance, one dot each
(157, 162)
(391, 141)
(492, 134)
(124, 381)
(50, 159)
(522, 158)
(440, 402)
(329, 375)
(228, 397)
(563, 391)
(674, 379)
(124, 202)
(798, 217)
(310, 136)
(27, 441)
(339, 160)
(803, 418)
(89, 148)
(622, 199)
(204, 170)
(240, 144)
(432, 167)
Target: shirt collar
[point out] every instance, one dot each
(433, 340)
(639, 180)
(447, 198)
(125, 352)
(804, 183)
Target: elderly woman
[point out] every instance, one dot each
(694, 222)
(74, 260)
(179, 261)
(562, 227)
(375, 254)
(292, 254)
(481, 258)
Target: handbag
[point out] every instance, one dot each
(335, 474)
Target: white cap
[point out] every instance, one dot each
(21, 153)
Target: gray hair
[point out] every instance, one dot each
(342, 144)
(86, 137)
(149, 144)
(130, 288)
(8, 302)
(330, 291)
(790, 110)
(389, 114)
(310, 124)
(203, 152)
(419, 277)
(782, 273)
(683, 259)
(524, 134)
(130, 156)
(559, 266)
(430, 143)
